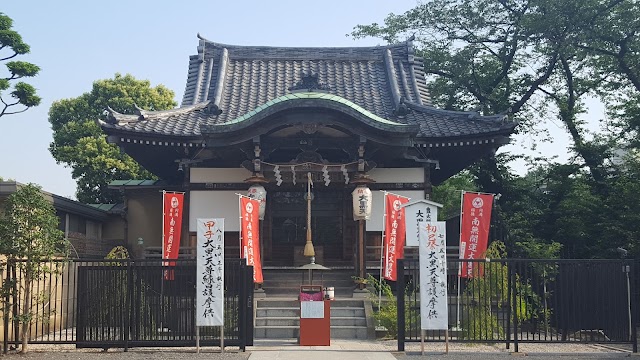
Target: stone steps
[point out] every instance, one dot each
(280, 319)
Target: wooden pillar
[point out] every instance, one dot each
(361, 254)
(428, 190)
(186, 185)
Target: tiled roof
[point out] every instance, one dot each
(225, 83)
(118, 183)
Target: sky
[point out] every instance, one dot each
(76, 42)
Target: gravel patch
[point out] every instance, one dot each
(432, 351)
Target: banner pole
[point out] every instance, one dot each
(222, 339)
(446, 341)
(240, 232)
(164, 214)
(197, 339)
(382, 241)
(162, 264)
(421, 341)
(460, 258)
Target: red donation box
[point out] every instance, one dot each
(315, 317)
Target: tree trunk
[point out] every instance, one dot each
(26, 324)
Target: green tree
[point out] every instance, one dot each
(29, 236)
(535, 59)
(449, 193)
(528, 57)
(23, 95)
(78, 142)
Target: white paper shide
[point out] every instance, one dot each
(433, 276)
(210, 273)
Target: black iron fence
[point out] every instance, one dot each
(122, 303)
(517, 301)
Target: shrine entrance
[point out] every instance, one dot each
(332, 233)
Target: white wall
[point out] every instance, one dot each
(377, 212)
(391, 175)
(219, 175)
(409, 175)
(215, 204)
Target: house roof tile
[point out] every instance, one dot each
(226, 83)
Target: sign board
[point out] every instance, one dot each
(312, 309)
(418, 213)
(210, 274)
(434, 314)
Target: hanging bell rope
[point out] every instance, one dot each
(308, 247)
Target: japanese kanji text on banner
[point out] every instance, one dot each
(416, 214)
(250, 248)
(474, 231)
(394, 233)
(171, 228)
(210, 280)
(434, 314)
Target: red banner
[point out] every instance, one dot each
(171, 229)
(474, 231)
(394, 233)
(250, 243)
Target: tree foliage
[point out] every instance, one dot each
(538, 59)
(29, 236)
(78, 141)
(21, 96)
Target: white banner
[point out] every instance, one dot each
(434, 313)
(210, 269)
(417, 213)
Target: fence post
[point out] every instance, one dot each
(509, 306)
(400, 303)
(5, 285)
(515, 307)
(128, 307)
(634, 297)
(16, 308)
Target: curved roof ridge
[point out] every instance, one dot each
(473, 115)
(313, 95)
(114, 117)
(407, 43)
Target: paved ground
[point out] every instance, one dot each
(341, 349)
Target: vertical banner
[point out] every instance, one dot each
(171, 228)
(249, 226)
(394, 233)
(210, 277)
(416, 214)
(434, 313)
(474, 231)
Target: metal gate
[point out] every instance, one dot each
(133, 304)
(522, 300)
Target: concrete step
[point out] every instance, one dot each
(276, 332)
(290, 303)
(263, 312)
(292, 292)
(347, 312)
(349, 332)
(348, 321)
(278, 321)
(295, 321)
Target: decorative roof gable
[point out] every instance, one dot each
(227, 83)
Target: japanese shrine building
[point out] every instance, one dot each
(339, 114)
